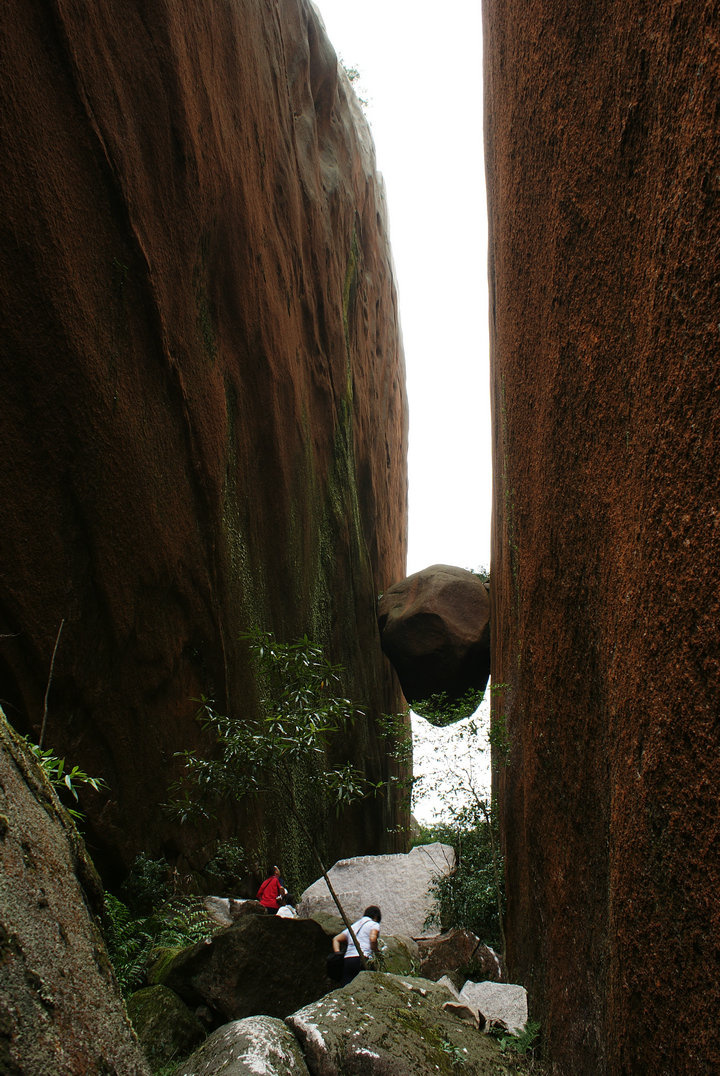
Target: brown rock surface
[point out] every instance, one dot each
(459, 955)
(435, 629)
(602, 149)
(202, 381)
(60, 1007)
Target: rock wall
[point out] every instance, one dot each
(204, 414)
(60, 1006)
(602, 140)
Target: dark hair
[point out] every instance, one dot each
(374, 912)
(290, 899)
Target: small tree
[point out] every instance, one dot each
(302, 710)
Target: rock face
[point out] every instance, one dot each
(435, 629)
(60, 1006)
(204, 416)
(399, 884)
(458, 954)
(390, 1024)
(601, 138)
(165, 1026)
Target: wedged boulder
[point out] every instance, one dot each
(390, 1024)
(167, 1029)
(460, 955)
(260, 966)
(504, 1002)
(60, 1007)
(398, 884)
(435, 629)
(258, 1044)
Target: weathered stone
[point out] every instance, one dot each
(506, 1002)
(262, 965)
(258, 1044)
(400, 954)
(204, 414)
(167, 1029)
(435, 629)
(459, 954)
(390, 1025)
(602, 151)
(224, 911)
(60, 1007)
(398, 884)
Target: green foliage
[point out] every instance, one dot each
(441, 710)
(228, 865)
(303, 711)
(134, 940)
(64, 779)
(524, 1043)
(468, 897)
(147, 885)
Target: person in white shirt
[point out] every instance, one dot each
(287, 911)
(367, 932)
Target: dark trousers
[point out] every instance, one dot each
(352, 966)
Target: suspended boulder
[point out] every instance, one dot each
(435, 629)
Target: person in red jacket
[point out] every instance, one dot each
(271, 893)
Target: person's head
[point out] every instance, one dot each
(373, 912)
(290, 899)
(273, 870)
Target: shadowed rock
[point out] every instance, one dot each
(435, 629)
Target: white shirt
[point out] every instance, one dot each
(286, 912)
(362, 930)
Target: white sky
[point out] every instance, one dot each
(420, 68)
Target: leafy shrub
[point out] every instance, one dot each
(467, 898)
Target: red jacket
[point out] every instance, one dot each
(269, 892)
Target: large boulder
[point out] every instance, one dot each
(435, 629)
(203, 393)
(60, 1007)
(399, 884)
(165, 1026)
(460, 955)
(388, 1024)
(257, 1044)
(262, 965)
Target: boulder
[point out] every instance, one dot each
(167, 1029)
(257, 1044)
(460, 955)
(504, 1002)
(435, 629)
(399, 954)
(262, 965)
(60, 1007)
(398, 884)
(390, 1025)
(224, 911)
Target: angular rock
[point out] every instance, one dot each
(224, 911)
(390, 1025)
(435, 629)
(398, 884)
(506, 1002)
(460, 955)
(262, 965)
(167, 1029)
(60, 1007)
(257, 1044)
(204, 409)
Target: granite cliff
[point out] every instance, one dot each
(204, 414)
(602, 140)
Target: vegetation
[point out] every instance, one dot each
(64, 779)
(303, 713)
